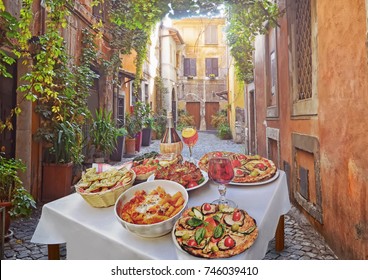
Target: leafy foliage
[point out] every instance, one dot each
(11, 187)
(104, 133)
(184, 119)
(221, 123)
(246, 21)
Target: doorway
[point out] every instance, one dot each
(7, 103)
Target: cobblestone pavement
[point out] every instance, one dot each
(302, 242)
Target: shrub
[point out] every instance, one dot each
(184, 119)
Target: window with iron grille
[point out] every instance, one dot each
(303, 33)
(190, 68)
(212, 66)
(210, 35)
(304, 48)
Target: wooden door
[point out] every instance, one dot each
(211, 109)
(193, 108)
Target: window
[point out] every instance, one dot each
(212, 66)
(210, 35)
(190, 68)
(271, 74)
(303, 45)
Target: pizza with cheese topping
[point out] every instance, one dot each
(247, 168)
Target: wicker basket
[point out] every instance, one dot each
(105, 198)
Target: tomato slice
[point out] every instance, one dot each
(241, 156)
(211, 221)
(236, 163)
(207, 206)
(236, 216)
(192, 184)
(229, 242)
(218, 154)
(239, 172)
(215, 240)
(192, 243)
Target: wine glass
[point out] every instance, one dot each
(221, 171)
(190, 138)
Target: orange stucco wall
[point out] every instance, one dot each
(340, 124)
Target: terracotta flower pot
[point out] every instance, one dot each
(130, 146)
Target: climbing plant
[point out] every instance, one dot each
(130, 24)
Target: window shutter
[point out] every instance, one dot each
(212, 66)
(190, 68)
(186, 67)
(193, 68)
(210, 35)
(208, 66)
(215, 66)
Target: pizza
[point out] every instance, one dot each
(186, 174)
(215, 231)
(247, 168)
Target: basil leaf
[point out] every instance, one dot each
(194, 222)
(199, 235)
(217, 218)
(218, 232)
(200, 181)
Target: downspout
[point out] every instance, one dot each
(159, 104)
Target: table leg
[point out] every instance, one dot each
(53, 251)
(280, 234)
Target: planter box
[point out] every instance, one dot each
(56, 181)
(146, 136)
(117, 154)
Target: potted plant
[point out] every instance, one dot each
(159, 123)
(13, 196)
(117, 153)
(62, 146)
(212, 76)
(132, 126)
(147, 124)
(104, 135)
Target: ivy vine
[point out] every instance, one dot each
(130, 24)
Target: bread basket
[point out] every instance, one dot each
(104, 196)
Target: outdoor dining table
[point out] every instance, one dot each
(95, 233)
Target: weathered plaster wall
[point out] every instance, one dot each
(340, 125)
(343, 104)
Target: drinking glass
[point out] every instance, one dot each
(221, 171)
(190, 138)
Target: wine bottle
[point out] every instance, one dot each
(171, 141)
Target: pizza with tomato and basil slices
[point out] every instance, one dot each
(215, 231)
(247, 168)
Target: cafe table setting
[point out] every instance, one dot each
(103, 232)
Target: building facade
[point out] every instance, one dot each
(306, 112)
(204, 64)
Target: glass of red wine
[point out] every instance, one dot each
(221, 171)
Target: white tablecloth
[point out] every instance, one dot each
(94, 233)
